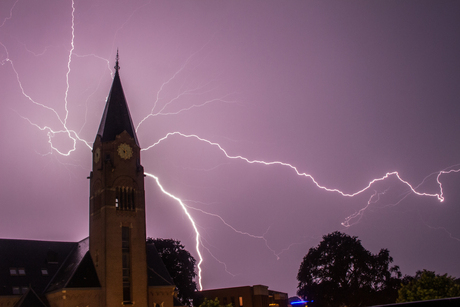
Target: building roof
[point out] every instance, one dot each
(157, 273)
(46, 266)
(77, 271)
(116, 117)
(30, 299)
(30, 263)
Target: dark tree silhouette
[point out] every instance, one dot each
(426, 285)
(180, 265)
(212, 303)
(341, 272)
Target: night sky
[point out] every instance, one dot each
(344, 91)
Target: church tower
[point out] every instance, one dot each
(117, 205)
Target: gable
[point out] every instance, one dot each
(30, 299)
(77, 271)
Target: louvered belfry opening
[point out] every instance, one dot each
(125, 198)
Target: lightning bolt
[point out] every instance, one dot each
(51, 132)
(68, 64)
(159, 92)
(359, 214)
(73, 135)
(184, 207)
(221, 262)
(262, 237)
(374, 198)
(195, 91)
(439, 195)
(11, 14)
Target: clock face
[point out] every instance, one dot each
(97, 155)
(125, 151)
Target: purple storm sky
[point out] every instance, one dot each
(343, 90)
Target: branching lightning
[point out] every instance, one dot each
(184, 207)
(73, 135)
(262, 237)
(439, 228)
(51, 132)
(439, 195)
(374, 198)
(359, 213)
(217, 259)
(11, 14)
(197, 90)
(159, 91)
(68, 64)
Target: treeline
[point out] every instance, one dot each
(341, 272)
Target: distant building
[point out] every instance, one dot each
(113, 267)
(247, 296)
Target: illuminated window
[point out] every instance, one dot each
(22, 271)
(13, 271)
(16, 290)
(24, 289)
(241, 301)
(44, 272)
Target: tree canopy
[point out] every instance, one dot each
(180, 265)
(341, 272)
(212, 303)
(426, 285)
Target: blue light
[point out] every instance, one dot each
(301, 302)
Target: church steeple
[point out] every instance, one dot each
(117, 205)
(117, 67)
(116, 117)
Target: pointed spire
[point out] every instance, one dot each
(116, 117)
(117, 67)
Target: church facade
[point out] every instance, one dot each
(112, 267)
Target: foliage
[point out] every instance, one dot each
(426, 285)
(212, 303)
(340, 272)
(180, 265)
